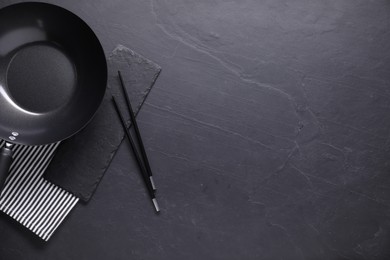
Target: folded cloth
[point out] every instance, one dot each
(81, 161)
(28, 198)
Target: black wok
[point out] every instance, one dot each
(53, 76)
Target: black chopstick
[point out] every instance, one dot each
(137, 132)
(138, 158)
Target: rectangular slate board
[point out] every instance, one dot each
(81, 161)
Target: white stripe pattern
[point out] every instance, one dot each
(28, 198)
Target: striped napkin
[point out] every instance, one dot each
(28, 198)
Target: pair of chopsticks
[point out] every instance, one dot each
(143, 163)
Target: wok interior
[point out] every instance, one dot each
(48, 81)
(53, 73)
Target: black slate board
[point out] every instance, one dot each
(81, 161)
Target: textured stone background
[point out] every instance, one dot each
(268, 131)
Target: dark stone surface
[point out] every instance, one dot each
(81, 161)
(268, 132)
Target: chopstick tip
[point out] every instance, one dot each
(156, 205)
(152, 182)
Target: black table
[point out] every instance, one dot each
(268, 132)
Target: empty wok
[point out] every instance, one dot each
(53, 76)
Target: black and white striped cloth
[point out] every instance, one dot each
(28, 198)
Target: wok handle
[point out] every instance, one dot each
(5, 163)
